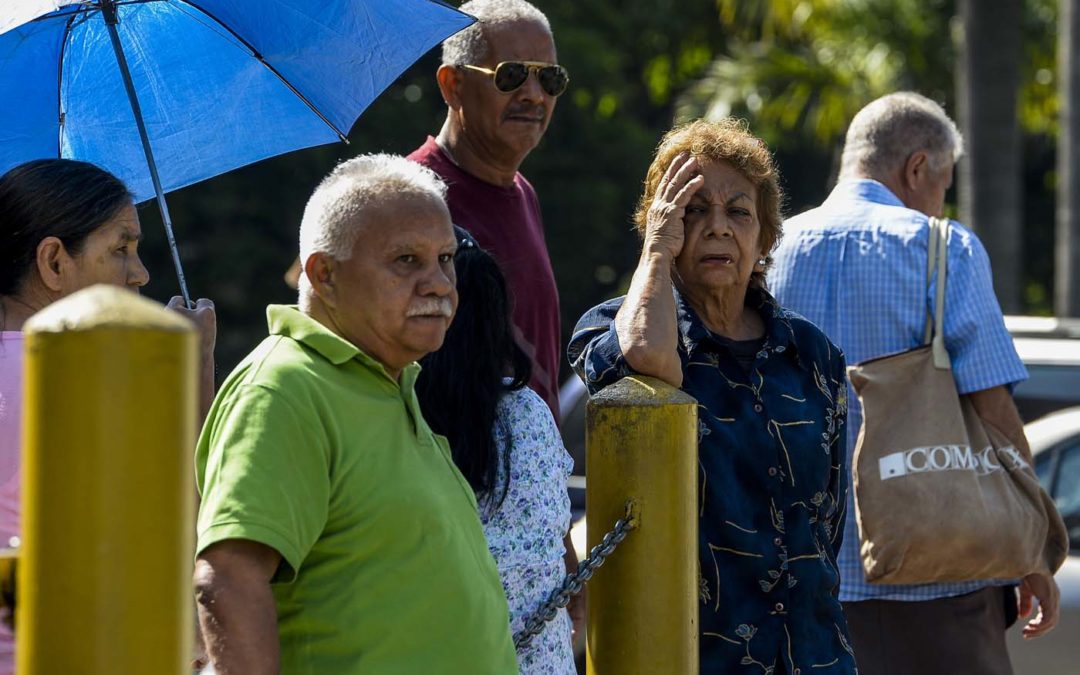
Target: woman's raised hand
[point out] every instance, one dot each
(664, 226)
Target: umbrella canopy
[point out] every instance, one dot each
(221, 83)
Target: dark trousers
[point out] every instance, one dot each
(963, 635)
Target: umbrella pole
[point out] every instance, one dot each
(108, 10)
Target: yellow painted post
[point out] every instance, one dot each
(104, 583)
(643, 604)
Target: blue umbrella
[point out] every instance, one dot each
(166, 93)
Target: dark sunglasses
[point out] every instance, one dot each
(510, 75)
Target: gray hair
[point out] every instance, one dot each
(889, 129)
(471, 46)
(332, 218)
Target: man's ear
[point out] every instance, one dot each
(450, 80)
(916, 169)
(319, 270)
(51, 260)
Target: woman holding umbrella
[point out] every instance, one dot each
(64, 226)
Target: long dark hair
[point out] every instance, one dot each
(461, 384)
(59, 198)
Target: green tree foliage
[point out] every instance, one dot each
(1038, 93)
(800, 69)
(807, 66)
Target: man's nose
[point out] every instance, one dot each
(437, 281)
(531, 90)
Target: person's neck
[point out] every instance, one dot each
(891, 182)
(726, 314)
(473, 159)
(314, 307)
(16, 309)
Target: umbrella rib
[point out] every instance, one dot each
(259, 57)
(60, 84)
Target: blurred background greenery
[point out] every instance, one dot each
(797, 69)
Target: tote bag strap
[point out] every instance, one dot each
(937, 257)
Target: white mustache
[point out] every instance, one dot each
(432, 307)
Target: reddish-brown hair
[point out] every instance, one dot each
(728, 140)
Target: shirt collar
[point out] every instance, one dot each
(866, 189)
(778, 330)
(288, 321)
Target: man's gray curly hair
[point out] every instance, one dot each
(470, 46)
(889, 129)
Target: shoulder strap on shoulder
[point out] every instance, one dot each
(937, 257)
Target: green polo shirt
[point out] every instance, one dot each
(314, 450)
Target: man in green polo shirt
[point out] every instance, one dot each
(335, 535)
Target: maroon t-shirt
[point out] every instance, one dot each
(506, 222)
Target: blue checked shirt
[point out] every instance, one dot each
(856, 266)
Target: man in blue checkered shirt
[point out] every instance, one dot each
(856, 266)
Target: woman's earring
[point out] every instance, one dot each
(762, 261)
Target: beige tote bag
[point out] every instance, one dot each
(940, 494)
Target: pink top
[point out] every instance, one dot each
(11, 359)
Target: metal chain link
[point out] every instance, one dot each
(575, 581)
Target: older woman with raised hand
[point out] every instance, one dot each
(771, 395)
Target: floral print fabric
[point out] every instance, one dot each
(525, 533)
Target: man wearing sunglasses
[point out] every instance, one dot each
(500, 79)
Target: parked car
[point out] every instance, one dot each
(1050, 348)
(1055, 444)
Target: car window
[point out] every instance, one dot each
(1067, 490)
(1049, 387)
(1044, 462)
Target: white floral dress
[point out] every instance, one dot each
(525, 534)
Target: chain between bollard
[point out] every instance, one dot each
(575, 581)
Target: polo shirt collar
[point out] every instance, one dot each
(778, 329)
(288, 321)
(864, 189)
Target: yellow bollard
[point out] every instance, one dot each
(104, 583)
(643, 605)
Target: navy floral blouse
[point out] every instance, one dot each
(772, 472)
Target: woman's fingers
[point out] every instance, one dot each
(664, 223)
(683, 175)
(679, 171)
(676, 163)
(688, 190)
